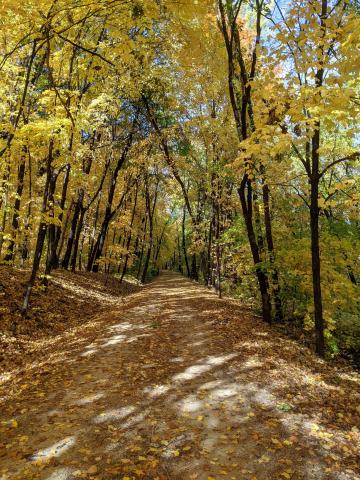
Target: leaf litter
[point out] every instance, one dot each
(208, 394)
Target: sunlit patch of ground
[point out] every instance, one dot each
(166, 390)
(55, 316)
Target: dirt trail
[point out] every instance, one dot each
(180, 385)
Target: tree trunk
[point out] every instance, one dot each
(184, 242)
(128, 242)
(15, 220)
(51, 226)
(218, 252)
(96, 254)
(315, 248)
(194, 269)
(77, 239)
(270, 245)
(314, 209)
(146, 264)
(64, 230)
(25, 243)
(54, 259)
(150, 213)
(40, 237)
(180, 269)
(73, 227)
(92, 245)
(261, 276)
(209, 274)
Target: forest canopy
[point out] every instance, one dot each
(218, 138)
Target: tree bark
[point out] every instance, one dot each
(73, 227)
(315, 211)
(54, 259)
(40, 237)
(184, 242)
(128, 242)
(270, 246)
(9, 257)
(246, 204)
(77, 239)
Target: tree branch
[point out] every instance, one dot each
(92, 52)
(349, 158)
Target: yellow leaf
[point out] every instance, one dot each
(14, 423)
(135, 449)
(285, 475)
(200, 418)
(86, 451)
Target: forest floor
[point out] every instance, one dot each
(68, 304)
(176, 384)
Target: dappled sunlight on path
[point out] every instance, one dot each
(166, 392)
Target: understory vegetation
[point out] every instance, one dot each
(217, 138)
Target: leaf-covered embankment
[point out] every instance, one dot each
(69, 303)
